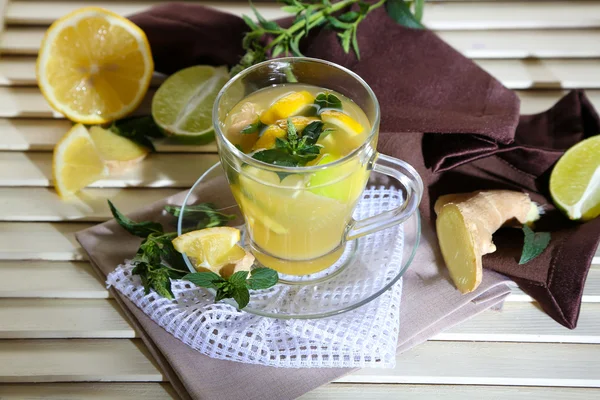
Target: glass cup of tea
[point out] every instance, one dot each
(297, 139)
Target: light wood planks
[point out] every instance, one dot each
(441, 15)
(77, 360)
(50, 319)
(512, 364)
(90, 204)
(44, 241)
(43, 134)
(27, 102)
(332, 391)
(50, 279)
(564, 43)
(157, 170)
(514, 74)
(100, 318)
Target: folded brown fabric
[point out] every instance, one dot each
(457, 125)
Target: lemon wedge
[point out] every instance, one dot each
(94, 66)
(342, 121)
(289, 105)
(213, 249)
(76, 162)
(268, 138)
(118, 152)
(299, 122)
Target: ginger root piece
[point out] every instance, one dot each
(465, 224)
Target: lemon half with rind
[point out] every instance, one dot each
(342, 121)
(575, 180)
(94, 66)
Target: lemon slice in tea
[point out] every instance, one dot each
(575, 180)
(182, 105)
(289, 105)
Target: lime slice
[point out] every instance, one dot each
(575, 180)
(182, 105)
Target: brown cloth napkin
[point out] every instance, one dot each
(457, 125)
(430, 304)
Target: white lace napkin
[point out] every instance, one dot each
(364, 337)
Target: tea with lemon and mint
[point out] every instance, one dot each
(297, 219)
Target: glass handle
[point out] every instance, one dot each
(412, 187)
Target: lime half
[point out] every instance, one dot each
(182, 105)
(575, 180)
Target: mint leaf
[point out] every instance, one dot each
(262, 278)
(238, 279)
(399, 11)
(327, 100)
(312, 132)
(252, 128)
(138, 129)
(277, 157)
(204, 279)
(535, 243)
(141, 229)
(241, 295)
(203, 215)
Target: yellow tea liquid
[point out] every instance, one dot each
(297, 220)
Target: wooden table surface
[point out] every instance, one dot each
(63, 337)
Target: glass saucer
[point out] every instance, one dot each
(368, 267)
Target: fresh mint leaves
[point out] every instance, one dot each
(311, 14)
(294, 150)
(157, 262)
(237, 285)
(141, 229)
(138, 129)
(535, 243)
(327, 100)
(252, 128)
(204, 215)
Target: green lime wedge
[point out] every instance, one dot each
(575, 180)
(182, 105)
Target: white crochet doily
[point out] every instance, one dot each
(364, 337)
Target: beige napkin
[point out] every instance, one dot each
(430, 305)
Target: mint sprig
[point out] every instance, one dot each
(327, 100)
(294, 150)
(237, 286)
(138, 129)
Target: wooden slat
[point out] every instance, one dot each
(77, 360)
(28, 102)
(56, 279)
(89, 205)
(43, 134)
(157, 170)
(92, 391)
(79, 318)
(454, 15)
(45, 241)
(333, 391)
(49, 319)
(514, 74)
(513, 364)
(562, 43)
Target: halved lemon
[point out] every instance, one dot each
(94, 66)
(575, 180)
(76, 162)
(286, 106)
(118, 152)
(342, 121)
(211, 248)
